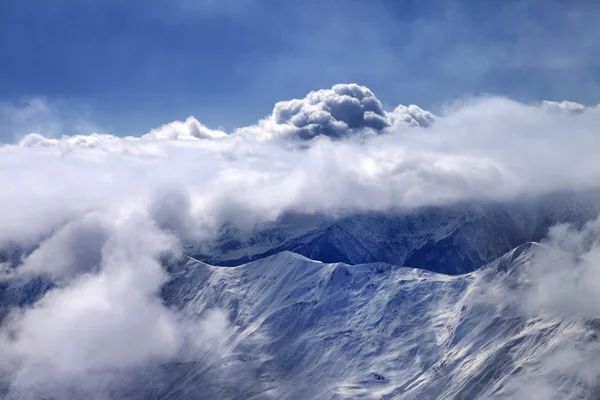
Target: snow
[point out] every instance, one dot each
(371, 331)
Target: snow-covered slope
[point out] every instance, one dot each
(302, 329)
(331, 331)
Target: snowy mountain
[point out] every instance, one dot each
(303, 329)
(345, 319)
(449, 240)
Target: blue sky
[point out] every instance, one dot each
(126, 66)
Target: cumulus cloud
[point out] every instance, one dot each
(191, 128)
(101, 212)
(412, 116)
(337, 112)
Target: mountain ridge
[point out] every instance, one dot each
(451, 240)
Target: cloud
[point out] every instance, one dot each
(104, 320)
(189, 129)
(44, 117)
(559, 288)
(568, 106)
(73, 249)
(412, 116)
(337, 112)
(567, 282)
(486, 148)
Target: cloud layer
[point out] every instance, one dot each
(102, 212)
(359, 157)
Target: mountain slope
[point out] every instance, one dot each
(336, 331)
(302, 329)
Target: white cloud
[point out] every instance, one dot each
(73, 249)
(412, 116)
(490, 148)
(559, 286)
(567, 282)
(47, 118)
(104, 320)
(189, 129)
(568, 106)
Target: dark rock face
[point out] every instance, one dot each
(22, 292)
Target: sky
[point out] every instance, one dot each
(125, 67)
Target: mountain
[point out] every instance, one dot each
(450, 240)
(348, 315)
(303, 329)
(307, 329)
